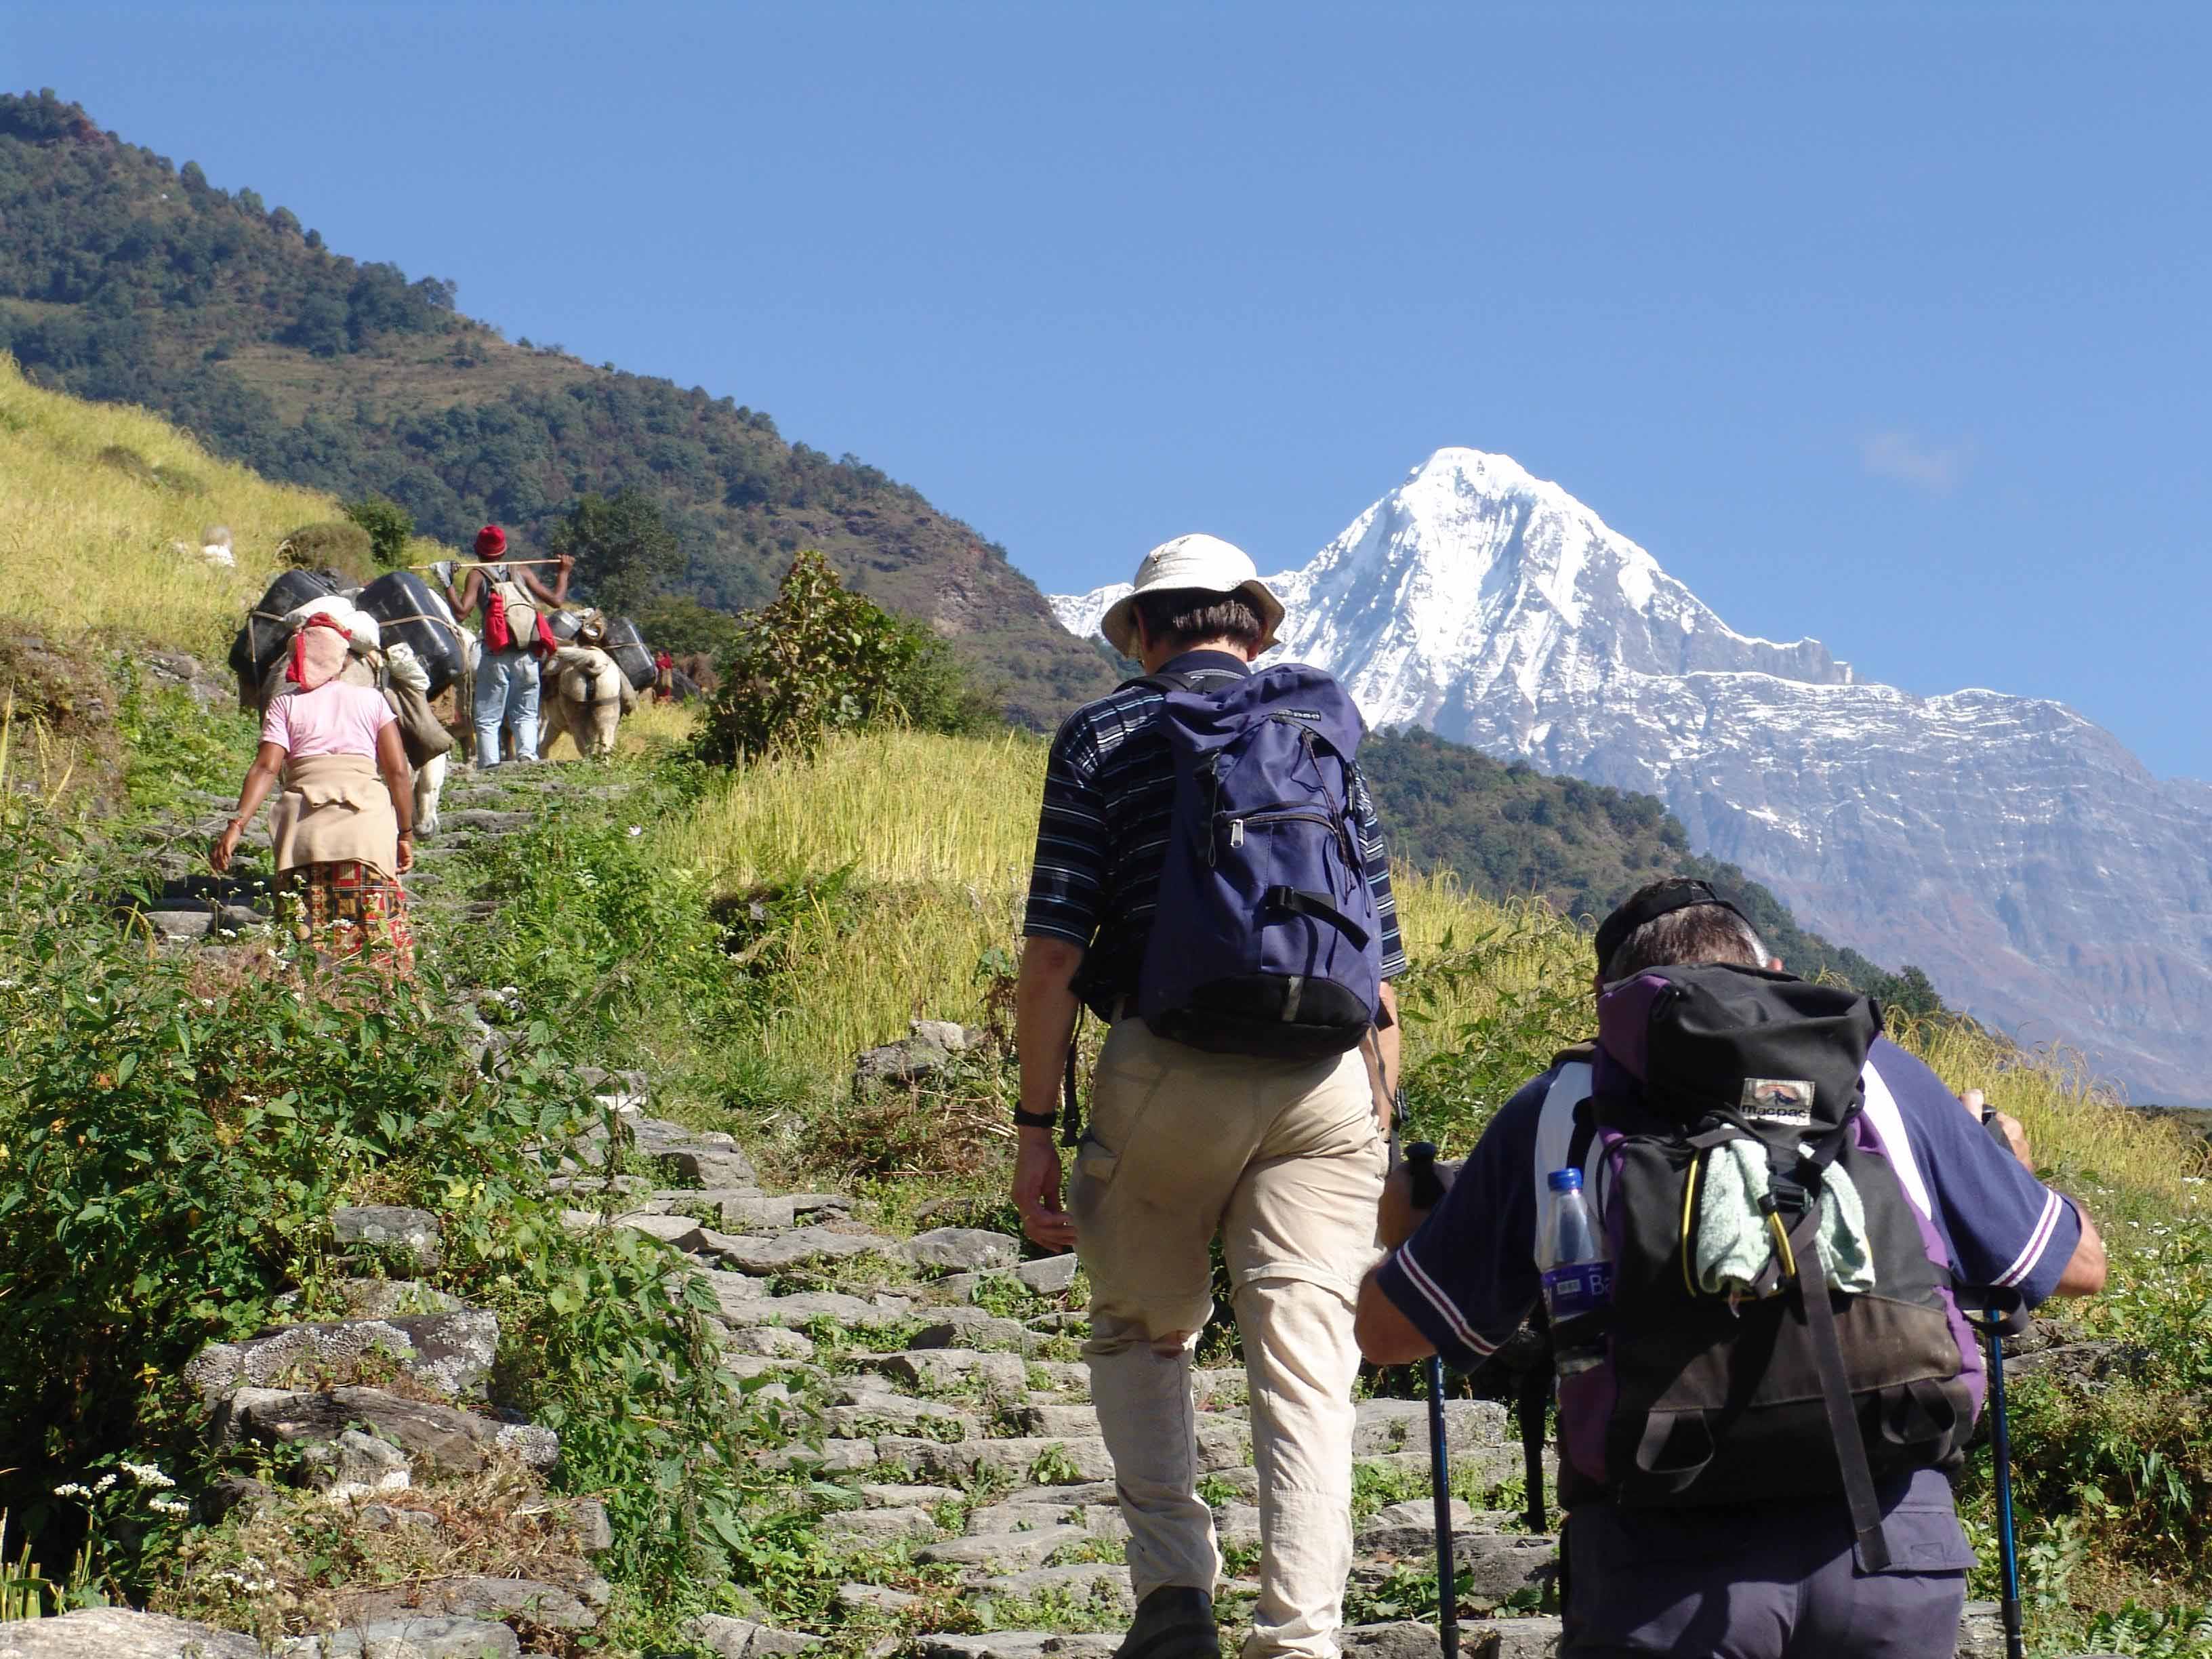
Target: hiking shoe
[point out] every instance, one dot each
(1173, 1622)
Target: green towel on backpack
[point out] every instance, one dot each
(1733, 1245)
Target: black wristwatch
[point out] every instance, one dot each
(1034, 1120)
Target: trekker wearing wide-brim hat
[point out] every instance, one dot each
(1281, 1157)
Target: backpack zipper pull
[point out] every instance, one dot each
(1235, 832)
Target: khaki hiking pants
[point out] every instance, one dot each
(1284, 1161)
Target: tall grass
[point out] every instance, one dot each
(937, 833)
(87, 544)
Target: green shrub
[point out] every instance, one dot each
(387, 525)
(820, 658)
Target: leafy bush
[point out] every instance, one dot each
(821, 658)
(388, 525)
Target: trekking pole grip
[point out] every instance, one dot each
(1428, 1187)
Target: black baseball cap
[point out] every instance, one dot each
(1679, 895)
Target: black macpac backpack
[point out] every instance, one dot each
(1796, 1390)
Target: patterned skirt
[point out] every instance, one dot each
(348, 909)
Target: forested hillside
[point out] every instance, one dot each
(1508, 829)
(125, 278)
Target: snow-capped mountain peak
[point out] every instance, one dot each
(2010, 846)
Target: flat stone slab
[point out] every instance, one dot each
(909, 1496)
(874, 1314)
(1388, 1425)
(709, 1166)
(963, 1249)
(1002, 1550)
(876, 1598)
(1022, 1458)
(1018, 1645)
(1104, 1583)
(445, 1436)
(419, 1635)
(742, 1638)
(1055, 1420)
(121, 1633)
(472, 1597)
(972, 1327)
(450, 1352)
(879, 1526)
(938, 1368)
(388, 1224)
(802, 1248)
(770, 1341)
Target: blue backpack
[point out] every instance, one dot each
(1266, 940)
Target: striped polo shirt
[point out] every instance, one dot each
(1103, 834)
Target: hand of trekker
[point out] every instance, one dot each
(1037, 1191)
(226, 845)
(2014, 1136)
(406, 854)
(1397, 1218)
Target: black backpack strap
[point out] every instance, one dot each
(1071, 1120)
(1819, 1317)
(1320, 907)
(1532, 1403)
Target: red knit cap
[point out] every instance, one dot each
(491, 542)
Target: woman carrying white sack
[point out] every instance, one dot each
(343, 827)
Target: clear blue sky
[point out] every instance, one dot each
(1888, 324)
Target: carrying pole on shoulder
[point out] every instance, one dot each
(1420, 1160)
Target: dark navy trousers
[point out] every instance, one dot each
(1768, 1581)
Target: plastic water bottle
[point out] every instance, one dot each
(1575, 1265)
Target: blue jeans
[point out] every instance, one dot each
(506, 693)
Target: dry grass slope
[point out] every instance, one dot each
(85, 544)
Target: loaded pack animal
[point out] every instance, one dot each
(587, 694)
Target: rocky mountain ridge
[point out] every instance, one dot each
(2046, 881)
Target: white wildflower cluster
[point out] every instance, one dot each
(169, 1506)
(252, 1577)
(146, 1475)
(103, 1483)
(72, 1489)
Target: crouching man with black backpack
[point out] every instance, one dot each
(1210, 879)
(1755, 1218)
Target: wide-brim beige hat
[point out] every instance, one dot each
(1205, 564)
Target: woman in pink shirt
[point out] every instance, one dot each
(342, 828)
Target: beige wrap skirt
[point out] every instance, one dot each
(335, 809)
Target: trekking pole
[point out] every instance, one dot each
(2003, 1314)
(1421, 1170)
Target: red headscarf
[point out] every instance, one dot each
(318, 652)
